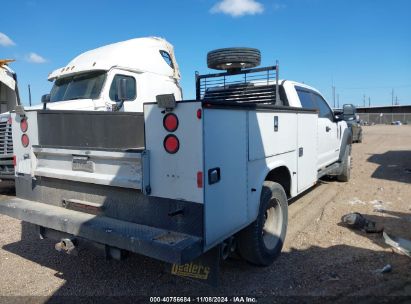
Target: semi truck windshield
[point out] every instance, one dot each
(81, 86)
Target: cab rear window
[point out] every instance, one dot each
(306, 99)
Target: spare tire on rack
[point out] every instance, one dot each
(233, 58)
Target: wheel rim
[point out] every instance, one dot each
(272, 225)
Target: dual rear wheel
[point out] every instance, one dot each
(261, 242)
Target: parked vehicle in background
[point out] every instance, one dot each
(89, 82)
(182, 178)
(353, 122)
(9, 99)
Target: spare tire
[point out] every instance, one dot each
(233, 58)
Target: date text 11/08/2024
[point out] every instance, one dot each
(236, 299)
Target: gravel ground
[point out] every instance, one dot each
(321, 257)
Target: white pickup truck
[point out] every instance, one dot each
(89, 82)
(183, 177)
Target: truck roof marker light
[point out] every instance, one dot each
(170, 122)
(199, 113)
(25, 141)
(171, 144)
(24, 125)
(199, 179)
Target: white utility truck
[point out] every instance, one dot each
(9, 99)
(183, 177)
(89, 82)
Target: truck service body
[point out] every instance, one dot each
(182, 177)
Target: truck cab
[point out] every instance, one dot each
(330, 128)
(89, 81)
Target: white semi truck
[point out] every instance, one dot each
(89, 82)
(181, 178)
(9, 99)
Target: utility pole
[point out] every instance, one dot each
(396, 101)
(334, 95)
(338, 101)
(29, 96)
(364, 100)
(392, 97)
(369, 101)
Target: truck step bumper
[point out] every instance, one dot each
(161, 244)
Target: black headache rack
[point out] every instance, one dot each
(257, 85)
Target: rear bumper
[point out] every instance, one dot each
(161, 244)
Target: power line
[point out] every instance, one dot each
(392, 97)
(376, 87)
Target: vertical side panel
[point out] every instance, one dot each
(175, 175)
(225, 149)
(25, 159)
(307, 151)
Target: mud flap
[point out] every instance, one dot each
(205, 269)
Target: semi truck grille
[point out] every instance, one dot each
(6, 141)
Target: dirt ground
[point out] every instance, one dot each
(321, 257)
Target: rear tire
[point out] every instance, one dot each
(261, 242)
(233, 58)
(346, 171)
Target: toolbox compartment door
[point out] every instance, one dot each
(225, 181)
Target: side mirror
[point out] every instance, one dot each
(44, 100)
(122, 89)
(121, 92)
(349, 110)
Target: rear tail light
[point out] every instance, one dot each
(25, 141)
(171, 144)
(9, 121)
(199, 113)
(14, 160)
(170, 122)
(200, 179)
(24, 125)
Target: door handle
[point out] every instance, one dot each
(214, 176)
(327, 129)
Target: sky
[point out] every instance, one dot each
(362, 47)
